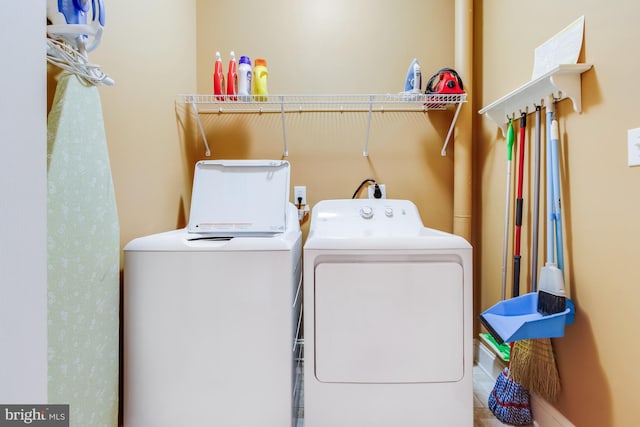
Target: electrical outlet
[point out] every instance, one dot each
(299, 195)
(372, 188)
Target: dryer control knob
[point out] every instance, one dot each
(388, 212)
(366, 212)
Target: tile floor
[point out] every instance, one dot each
(482, 386)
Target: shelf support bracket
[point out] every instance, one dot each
(207, 150)
(569, 86)
(284, 128)
(443, 153)
(365, 151)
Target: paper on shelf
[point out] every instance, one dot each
(563, 48)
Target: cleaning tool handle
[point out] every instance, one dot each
(549, 185)
(536, 203)
(519, 203)
(510, 137)
(519, 200)
(516, 275)
(523, 127)
(557, 216)
(506, 211)
(518, 232)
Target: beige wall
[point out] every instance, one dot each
(364, 46)
(311, 48)
(151, 60)
(600, 193)
(337, 47)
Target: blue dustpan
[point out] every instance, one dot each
(518, 319)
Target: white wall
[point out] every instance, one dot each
(23, 264)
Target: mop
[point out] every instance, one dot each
(509, 401)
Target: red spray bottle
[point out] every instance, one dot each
(218, 78)
(232, 78)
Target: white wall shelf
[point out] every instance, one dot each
(561, 82)
(291, 104)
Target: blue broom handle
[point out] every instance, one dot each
(549, 186)
(557, 216)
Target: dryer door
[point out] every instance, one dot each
(389, 322)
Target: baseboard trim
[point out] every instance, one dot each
(544, 414)
(487, 359)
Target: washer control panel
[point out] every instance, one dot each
(365, 217)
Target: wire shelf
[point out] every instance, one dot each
(285, 105)
(214, 104)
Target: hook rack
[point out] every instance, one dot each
(284, 104)
(561, 82)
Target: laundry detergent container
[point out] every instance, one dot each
(387, 318)
(211, 310)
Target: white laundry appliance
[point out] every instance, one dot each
(211, 311)
(387, 319)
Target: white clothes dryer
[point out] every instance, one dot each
(387, 318)
(211, 311)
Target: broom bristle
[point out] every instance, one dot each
(549, 303)
(533, 365)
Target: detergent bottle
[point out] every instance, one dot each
(260, 75)
(218, 78)
(232, 78)
(244, 79)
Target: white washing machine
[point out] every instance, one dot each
(387, 319)
(211, 311)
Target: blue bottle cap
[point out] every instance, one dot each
(245, 60)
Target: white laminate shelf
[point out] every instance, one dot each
(291, 104)
(563, 81)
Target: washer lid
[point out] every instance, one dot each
(234, 198)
